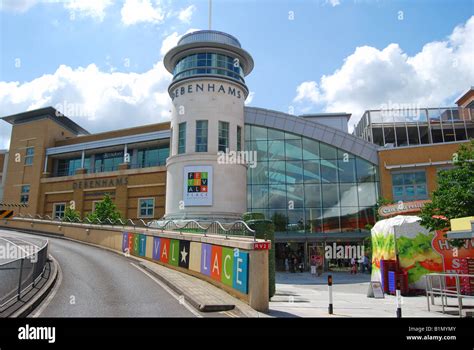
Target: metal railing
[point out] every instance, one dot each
(236, 228)
(22, 273)
(437, 286)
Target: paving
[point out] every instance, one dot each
(305, 295)
(201, 294)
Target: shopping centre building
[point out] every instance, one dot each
(316, 181)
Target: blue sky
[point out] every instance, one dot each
(69, 53)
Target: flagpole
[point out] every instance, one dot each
(210, 14)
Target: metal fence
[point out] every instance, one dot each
(22, 273)
(437, 286)
(236, 228)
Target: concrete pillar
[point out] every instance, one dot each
(258, 280)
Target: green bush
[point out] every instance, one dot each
(105, 209)
(71, 215)
(265, 229)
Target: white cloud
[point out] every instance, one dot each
(17, 5)
(137, 11)
(98, 100)
(250, 98)
(370, 78)
(88, 8)
(307, 90)
(186, 14)
(172, 40)
(334, 3)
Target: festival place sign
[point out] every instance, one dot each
(226, 265)
(402, 208)
(197, 186)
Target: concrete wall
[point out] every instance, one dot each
(233, 253)
(229, 180)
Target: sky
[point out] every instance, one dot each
(100, 61)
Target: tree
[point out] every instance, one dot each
(71, 215)
(105, 209)
(454, 197)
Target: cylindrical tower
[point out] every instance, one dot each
(208, 92)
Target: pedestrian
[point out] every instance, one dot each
(365, 264)
(354, 266)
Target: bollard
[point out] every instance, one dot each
(399, 300)
(330, 309)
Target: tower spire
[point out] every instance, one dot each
(210, 14)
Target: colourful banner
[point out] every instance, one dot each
(226, 265)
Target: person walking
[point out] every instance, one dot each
(354, 266)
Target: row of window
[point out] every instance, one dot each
(209, 63)
(110, 161)
(320, 220)
(202, 130)
(146, 208)
(312, 195)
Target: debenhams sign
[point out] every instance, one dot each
(112, 182)
(206, 87)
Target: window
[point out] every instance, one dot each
(25, 194)
(182, 138)
(201, 135)
(152, 157)
(146, 207)
(223, 136)
(409, 186)
(68, 167)
(59, 210)
(239, 138)
(30, 153)
(108, 161)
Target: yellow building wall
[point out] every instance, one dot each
(412, 155)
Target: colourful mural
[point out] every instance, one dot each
(226, 265)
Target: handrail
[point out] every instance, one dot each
(212, 227)
(32, 275)
(444, 291)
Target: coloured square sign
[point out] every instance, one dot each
(197, 189)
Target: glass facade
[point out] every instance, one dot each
(107, 161)
(209, 63)
(308, 186)
(68, 167)
(152, 157)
